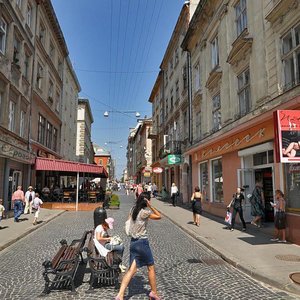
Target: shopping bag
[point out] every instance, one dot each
(228, 217)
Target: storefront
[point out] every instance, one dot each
(15, 166)
(240, 158)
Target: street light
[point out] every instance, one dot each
(106, 113)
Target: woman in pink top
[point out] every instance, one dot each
(18, 199)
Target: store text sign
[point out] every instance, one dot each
(157, 170)
(13, 152)
(287, 135)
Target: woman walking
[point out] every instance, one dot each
(257, 204)
(174, 192)
(140, 251)
(236, 203)
(280, 223)
(196, 205)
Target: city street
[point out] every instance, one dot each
(185, 268)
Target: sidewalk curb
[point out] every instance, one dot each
(29, 231)
(288, 288)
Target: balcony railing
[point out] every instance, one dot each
(172, 147)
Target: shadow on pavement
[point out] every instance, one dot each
(134, 287)
(3, 227)
(255, 240)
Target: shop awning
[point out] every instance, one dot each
(47, 164)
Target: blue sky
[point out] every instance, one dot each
(116, 47)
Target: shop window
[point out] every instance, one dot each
(263, 158)
(292, 185)
(203, 169)
(217, 180)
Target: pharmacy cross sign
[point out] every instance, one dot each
(174, 159)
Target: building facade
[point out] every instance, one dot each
(84, 146)
(245, 65)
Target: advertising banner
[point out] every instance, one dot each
(287, 135)
(174, 159)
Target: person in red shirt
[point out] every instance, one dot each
(18, 200)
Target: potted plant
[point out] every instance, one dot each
(114, 202)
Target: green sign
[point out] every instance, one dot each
(174, 159)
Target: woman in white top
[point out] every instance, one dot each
(174, 191)
(140, 251)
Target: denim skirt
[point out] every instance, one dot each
(140, 252)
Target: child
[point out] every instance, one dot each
(36, 204)
(2, 210)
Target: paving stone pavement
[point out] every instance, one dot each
(185, 268)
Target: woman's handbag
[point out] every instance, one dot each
(128, 226)
(228, 217)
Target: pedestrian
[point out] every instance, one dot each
(280, 219)
(174, 193)
(103, 237)
(29, 196)
(197, 205)
(36, 207)
(140, 251)
(18, 200)
(154, 189)
(236, 204)
(257, 204)
(2, 211)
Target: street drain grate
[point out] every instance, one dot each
(289, 257)
(213, 262)
(295, 277)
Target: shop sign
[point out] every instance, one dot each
(174, 159)
(147, 174)
(16, 153)
(287, 135)
(157, 170)
(147, 169)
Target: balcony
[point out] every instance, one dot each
(172, 147)
(152, 134)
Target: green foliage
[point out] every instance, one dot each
(114, 200)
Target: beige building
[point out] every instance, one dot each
(71, 88)
(17, 27)
(84, 146)
(170, 109)
(245, 65)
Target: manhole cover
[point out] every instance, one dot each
(295, 277)
(289, 257)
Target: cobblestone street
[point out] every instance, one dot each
(185, 268)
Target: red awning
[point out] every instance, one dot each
(47, 164)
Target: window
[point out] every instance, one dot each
(203, 169)
(51, 51)
(1, 103)
(57, 105)
(12, 116)
(42, 33)
(184, 77)
(100, 162)
(19, 3)
(263, 158)
(49, 132)
(291, 57)
(51, 91)
(241, 16)
(244, 92)
(171, 100)
(166, 77)
(176, 57)
(292, 185)
(41, 129)
(17, 48)
(39, 77)
(198, 124)
(214, 53)
(22, 123)
(197, 78)
(60, 68)
(29, 15)
(27, 66)
(55, 135)
(216, 112)
(217, 180)
(177, 90)
(167, 107)
(171, 64)
(3, 35)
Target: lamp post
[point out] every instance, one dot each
(107, 112)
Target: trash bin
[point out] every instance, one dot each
(99, 216)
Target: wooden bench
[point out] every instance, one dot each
(64, 264)
(104, 270)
